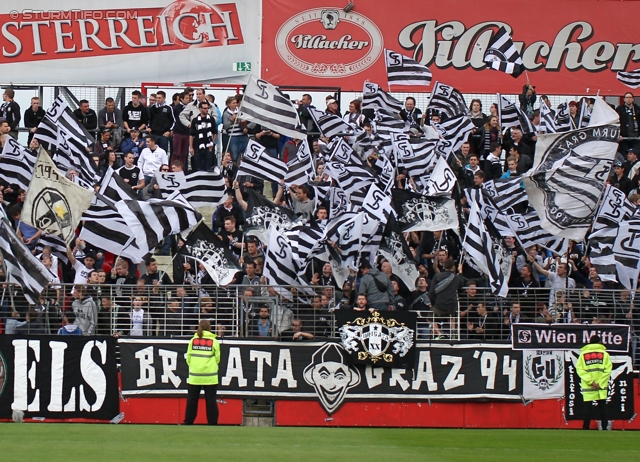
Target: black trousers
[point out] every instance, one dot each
(193, 395)
(602, 411)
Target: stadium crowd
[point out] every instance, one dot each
(97, 293)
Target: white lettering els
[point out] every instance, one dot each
(452, 44)
(26, 370)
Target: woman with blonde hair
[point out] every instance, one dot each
(203, 357)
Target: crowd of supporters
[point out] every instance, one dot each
(157, 135)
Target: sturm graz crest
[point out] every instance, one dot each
(212, 256)
(51, 213)
(377, 338)
(422, 210)
(571, 178)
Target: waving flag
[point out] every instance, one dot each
(405, 71)
(502, 55)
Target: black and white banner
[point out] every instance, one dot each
(303, 370)
(620, 394)
(59, 377)
(381, 338)
(615, 337)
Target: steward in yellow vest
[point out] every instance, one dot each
(203, 357)
(594, 368)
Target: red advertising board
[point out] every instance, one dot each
(568, 46)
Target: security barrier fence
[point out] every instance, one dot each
(282, 312)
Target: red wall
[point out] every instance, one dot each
(539, 414)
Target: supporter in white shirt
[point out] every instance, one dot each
(82, 268)
(151, 158)
(46, 252)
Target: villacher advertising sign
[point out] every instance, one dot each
(565, 49)
(569, 336)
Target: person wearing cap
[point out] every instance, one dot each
(332, 106)
(619, 179)
(83, 268)
(594, 369)
(203, 357)
(135, 143)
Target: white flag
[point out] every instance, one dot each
(54, 203)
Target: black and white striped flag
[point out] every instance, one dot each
(510, 115)
(280, 268)
(375, 98)
(387, 123)
(155, 219)
(562, 119)
(353, 179)
(455, 130)
(416, 155)
(446, 100)
(68, 141)
(339, 150)
(528, 231)
(300, 168)
(23, 268)
(16, 164)
(257, 162)
(615, 226)
(502, 54)
(200, 188)
(405, 71)
(505, 192)
(585, 114)
(484, 246)
(631, 79)
(330, 125)
(266, 105)
(547, 122)
(104, 226)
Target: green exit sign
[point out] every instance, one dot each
(242, 67)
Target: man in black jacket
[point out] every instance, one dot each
(11, 112)
(33, 116)
(135, 115)
(161, 121)
(629, 113)
(86, 116)
(443, 293)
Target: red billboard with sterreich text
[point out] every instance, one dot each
(568, 46)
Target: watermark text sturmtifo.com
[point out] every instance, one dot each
(53, 15)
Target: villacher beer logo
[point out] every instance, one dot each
(327, 42)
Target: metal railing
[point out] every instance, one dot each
(280, 312)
